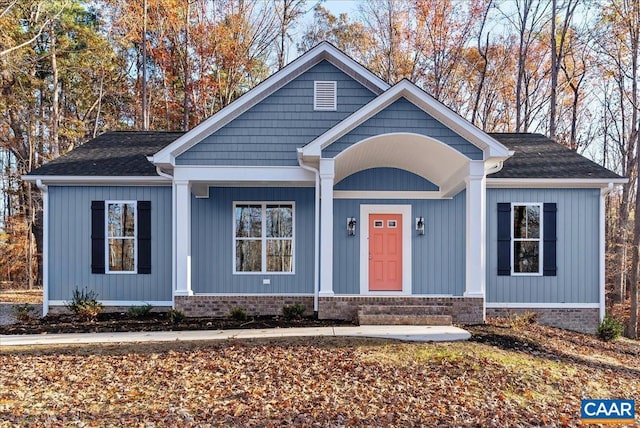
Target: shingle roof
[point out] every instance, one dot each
(537, 156)
(122, 153)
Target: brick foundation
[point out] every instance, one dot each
(220, 306)
(463, 310)
(583, 320)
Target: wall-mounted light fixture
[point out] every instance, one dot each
(351, 226)
(420, 225)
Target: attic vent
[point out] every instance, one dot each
(324, 95)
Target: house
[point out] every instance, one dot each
(328, 187)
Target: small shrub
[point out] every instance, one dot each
(139, 311)
(238, 314)
(175, 316)
(293, 311)
(610, 328)
(24, 312)
(84, 304)
(523, 320)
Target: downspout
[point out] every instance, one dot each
(45, 246)
(316, 262)
(173, 230)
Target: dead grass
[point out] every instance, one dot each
(21, 296)
(508, 377)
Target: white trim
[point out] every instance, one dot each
(167, 303)
(182, 238)
(328, 86)
(552, 183)
(253, 294)
(246, 174)
(79, 180)
(45, 246)
(602, 250)
(405, 211)
(490, 146)
(377, 194)
(263, 238)
(475, 231)
(540, 240)
(107, 237)
(323, 51)
(327, 174)
(542, 305)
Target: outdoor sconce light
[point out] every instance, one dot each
(420, 225)
(351, 226)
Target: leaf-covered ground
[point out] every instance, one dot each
(20, 296)
(504, 377)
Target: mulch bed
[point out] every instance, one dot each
(121, 322)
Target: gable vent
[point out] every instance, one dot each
(324, 95)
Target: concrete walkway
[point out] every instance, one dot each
(399, 332)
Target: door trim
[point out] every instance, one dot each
(405, 211)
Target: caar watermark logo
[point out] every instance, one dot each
(608, 411)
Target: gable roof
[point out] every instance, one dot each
(322, 51)
(120, 153)
(537, 156)
(415, 95)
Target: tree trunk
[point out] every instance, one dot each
(55, 98)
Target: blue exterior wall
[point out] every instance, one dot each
(385, 179)
(212, 222)
(269, 132)
(438, 260)
(577, 249)
(403, 116)
(70, 244)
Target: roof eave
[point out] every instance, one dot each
(119, 180)
(584, 183)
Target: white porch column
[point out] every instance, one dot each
(327, 173)
(476, 229)
(182, 238)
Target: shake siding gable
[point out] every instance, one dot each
(403, 116)
(269, 133)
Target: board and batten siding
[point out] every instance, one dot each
(70, 244)
(212, 241)
(385, 179)
(403, 116)
(577, 279)
(268, 133)
(438, 259)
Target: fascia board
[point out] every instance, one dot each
(277, 80)
(578, 183)
(96, 180)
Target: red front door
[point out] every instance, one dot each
(385, 252)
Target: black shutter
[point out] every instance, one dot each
(504, 239)
(144, 237)
(550, 236)
(97, 236)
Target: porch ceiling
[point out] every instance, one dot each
(419, 154)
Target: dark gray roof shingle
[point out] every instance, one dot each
(537, 156)
(122, 153)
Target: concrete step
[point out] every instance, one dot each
(403, 319)
(403, 309)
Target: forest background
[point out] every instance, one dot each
(72, 69)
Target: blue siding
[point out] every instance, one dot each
(403, 116)
(577, 249)
(212, 242)
(270, 132)
(385, 179)
(70, 244)
(438, 260)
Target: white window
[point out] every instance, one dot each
(121, 231)
(263, 237)
(526, 248)
(325, 95)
